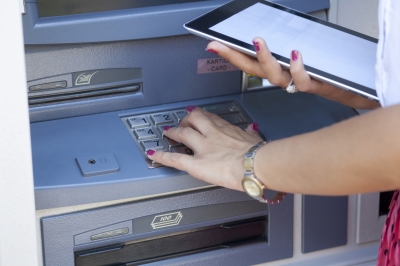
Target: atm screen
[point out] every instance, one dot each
(52, 8)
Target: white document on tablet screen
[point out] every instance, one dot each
(324, 48)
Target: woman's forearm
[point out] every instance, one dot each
(358, 155)
(344, 97)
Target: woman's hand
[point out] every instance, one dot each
(219, 148)
(266, 66)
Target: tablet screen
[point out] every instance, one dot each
(324, 48)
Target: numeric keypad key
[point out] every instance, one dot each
(145, 133)
(162, 118)
(137, 121)
(153, 144)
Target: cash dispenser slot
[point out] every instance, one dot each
(177, 244)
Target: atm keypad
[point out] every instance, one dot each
(147, 129)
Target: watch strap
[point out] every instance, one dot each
(249, 174)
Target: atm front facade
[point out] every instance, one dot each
(103, 80)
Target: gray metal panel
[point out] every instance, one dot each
(58, 231)
(324, 222)
(130, 24)
(369, 222)
(56, 144)
(169, 68)
(282, 115)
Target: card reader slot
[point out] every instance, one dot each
(175, 245)
(78, 95)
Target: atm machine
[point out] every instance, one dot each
(103, 78)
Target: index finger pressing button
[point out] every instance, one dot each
(161, 128)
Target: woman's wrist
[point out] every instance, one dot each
(253, 185)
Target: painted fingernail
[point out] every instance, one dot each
(190, 108)
(256, 46)
(150, 152)
(255, 127)
(166, 128)
(212, 51)
(295, 55)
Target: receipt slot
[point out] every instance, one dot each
(103, 80)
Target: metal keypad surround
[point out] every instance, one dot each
(147, 129)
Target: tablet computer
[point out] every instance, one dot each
(332, 54)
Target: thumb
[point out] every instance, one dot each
(299, 73)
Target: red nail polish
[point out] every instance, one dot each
(150, 152)
(295, 55)
(190, 108)
(166, 128)
(256, 46)
(212, 51)
(255, 127)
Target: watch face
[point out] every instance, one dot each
(252, 188)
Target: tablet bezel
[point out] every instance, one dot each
(201, 27)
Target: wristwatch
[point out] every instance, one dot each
(253, 186)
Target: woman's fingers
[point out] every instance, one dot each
(185, 135)
(244, 62)
(271, 68)
(194, 114)
(196, 119)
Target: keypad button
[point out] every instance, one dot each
(179, 115)
(153, 144)
(221, 108)
(138, 121)
(243, 126)
(183, 150)
(161, 128)
(170, 143)
(156, 164)
(162, 118)
(234, 119)
(145, 133)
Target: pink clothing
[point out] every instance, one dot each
(387, 86)
(389, 251)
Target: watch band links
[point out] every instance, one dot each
(249, 175)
